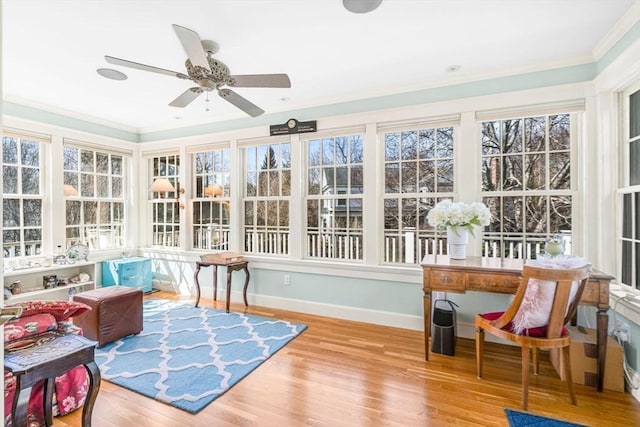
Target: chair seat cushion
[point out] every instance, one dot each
(540, 331)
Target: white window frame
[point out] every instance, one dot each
(421, 239)
(212, 235)
(337, 247)
(43, 152)
(105, 236)
(271, 239)
(165, 209)
(533, 246)
(625, 188)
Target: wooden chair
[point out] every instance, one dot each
(552, 335)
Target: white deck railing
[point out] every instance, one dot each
(411, 246)
(11, 250)
(266, 242)
(211, 238)
(347, 246)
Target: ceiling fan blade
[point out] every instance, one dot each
(240, 102)
(192, 46)
(186, 98)
(261, 80)
(137, 66)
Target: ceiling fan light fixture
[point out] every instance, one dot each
(210, 47)
(112, 74)
(361, 6)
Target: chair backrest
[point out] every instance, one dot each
(563, 307)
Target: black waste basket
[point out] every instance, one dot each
(443, 330)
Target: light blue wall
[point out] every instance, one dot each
(397, 297)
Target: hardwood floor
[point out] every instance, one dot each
(341, 373)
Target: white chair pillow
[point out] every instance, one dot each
(536, 304)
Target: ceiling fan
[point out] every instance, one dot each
(209, 73)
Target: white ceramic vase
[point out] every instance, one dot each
(457, 240)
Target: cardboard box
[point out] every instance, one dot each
(584, 356)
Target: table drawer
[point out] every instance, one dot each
(446, 280)
(492, 283)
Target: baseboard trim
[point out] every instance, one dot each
(377, 317)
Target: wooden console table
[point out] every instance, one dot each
(212, 261)
(45, 357)
(439, 273)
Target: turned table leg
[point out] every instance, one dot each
(195, 280)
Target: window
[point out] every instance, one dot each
(418, 167)
(334, 198)
(630, 192)
(211, 208)
(526, 183)
(21, 196)
(165, 209)
(266, 198)
(94, 197)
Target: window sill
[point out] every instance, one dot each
(625, 301)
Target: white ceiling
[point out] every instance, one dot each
(52, 48)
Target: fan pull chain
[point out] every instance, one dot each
(207, 101)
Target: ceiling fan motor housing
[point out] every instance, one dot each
(218, 76)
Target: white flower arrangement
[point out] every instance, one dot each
(449, 214)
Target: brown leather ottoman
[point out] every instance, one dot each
(116, 311)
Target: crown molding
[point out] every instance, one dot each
(617, 32)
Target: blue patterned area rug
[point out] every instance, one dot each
(188, 356)
(520, 419)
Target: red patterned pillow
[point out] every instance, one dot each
(61, 310)
(27, 326)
